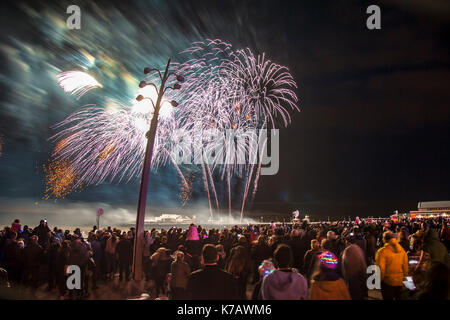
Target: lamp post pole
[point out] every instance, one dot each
(139, 236)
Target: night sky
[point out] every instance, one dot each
(372, 136)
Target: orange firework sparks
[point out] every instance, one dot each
(106, 152)
(186, 191)
(238, 108)
(60, 179)
(61, 144)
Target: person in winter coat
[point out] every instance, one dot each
(211, 282)
(110, 255)
(16, 226)
(97, 253)
(222, 256)
(33, 255)
(393, 263)
(284, 283)
(51, 263)
(354, 271)
(437, 283)
(62, 261)
(161, 262)
(180, 271)
(11, 260)
(43, 233)
(193, 246)
(278, 239)
(239, 266)
(124, 250)
(445, 235)
(403, 239)
(309, 259)
(434, 247)
(371, 245)
(26, 233)
(326, 284)
(298, 250)
(265, 268)
(419, 261)
(79, 256)
(260, 252)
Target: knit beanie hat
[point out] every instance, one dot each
(328, 260)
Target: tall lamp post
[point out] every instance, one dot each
(150, 135)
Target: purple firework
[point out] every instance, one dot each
(221, 90)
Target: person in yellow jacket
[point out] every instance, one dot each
(393, 263)
(326, 284)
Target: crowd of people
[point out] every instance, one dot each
(317, 261)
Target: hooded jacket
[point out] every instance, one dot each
(329, 290)
(284, 285)
(434, 247)
(393, 263)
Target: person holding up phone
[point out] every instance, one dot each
(419, 261)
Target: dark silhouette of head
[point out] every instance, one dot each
(209, 253)
(283, 256)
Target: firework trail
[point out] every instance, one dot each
(225, 91)
(186, 189)
(77, 82)
(108, 145)
(177, 168)
(205, 182)
(234, 90)
(211, 181)
(258, 173)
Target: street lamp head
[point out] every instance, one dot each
(142, 84)
(140, 97)
(147, 70)
(174, 103)
(177, 86)
(180, 78)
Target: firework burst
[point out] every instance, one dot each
(108, 145)
(224, 91)
(235, 90)
(60, 179)
(266, 89)
(77, 82)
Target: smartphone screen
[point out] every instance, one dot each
(409, 284)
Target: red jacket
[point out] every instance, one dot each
(15, 227)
